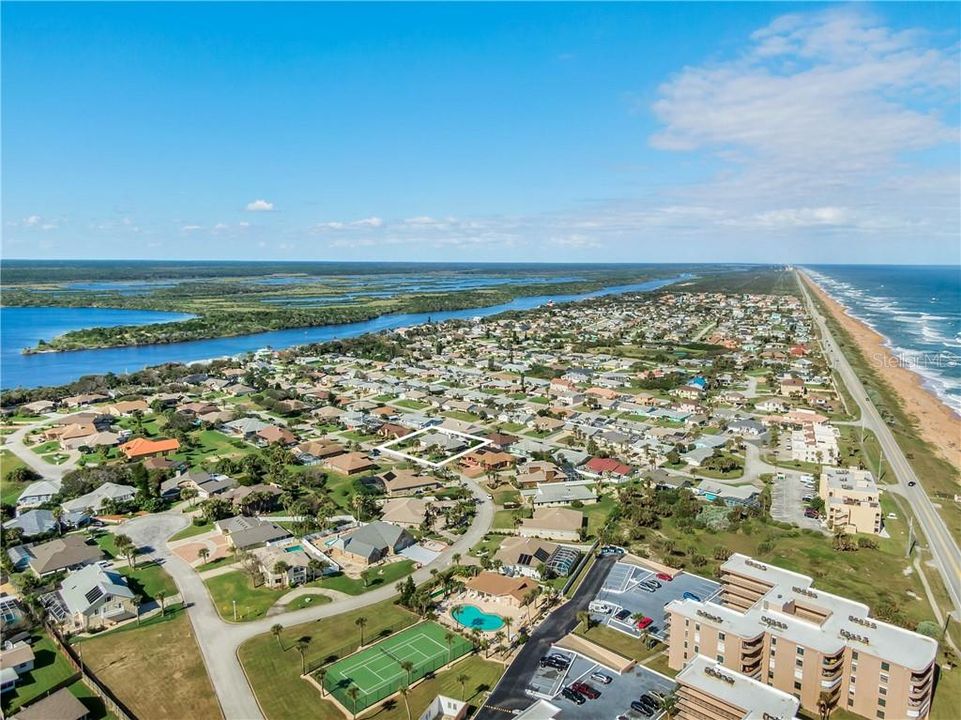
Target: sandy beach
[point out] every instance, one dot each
(938, 424)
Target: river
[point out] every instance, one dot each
(23, 327)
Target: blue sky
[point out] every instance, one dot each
(488, 132)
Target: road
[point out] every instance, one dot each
(944, 548)
(14, 443)
(509, 694)
(219, 640)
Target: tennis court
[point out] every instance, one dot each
(377, 671)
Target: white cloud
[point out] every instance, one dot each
(259, 206)
(32, 220)
(576, 241)
(191, 228)
(371, 222)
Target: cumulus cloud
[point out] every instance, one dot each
(371, 222)
(259, 206)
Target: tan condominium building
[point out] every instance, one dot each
(851, 500)
(773, 626)
(709, 691)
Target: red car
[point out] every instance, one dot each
(644, 622)
(664, 576)
(585, 690)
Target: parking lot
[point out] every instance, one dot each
(622, 590)
(615, 699)
(787, 503)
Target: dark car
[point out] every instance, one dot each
(644, 710)
(557, 657)
(554, 663)
(650, 700)
(810, 513)
(911, 483)
(574, 697)
(623, 615)
(585, 690)
(610, 550)
(691, 596)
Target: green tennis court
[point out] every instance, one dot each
(377, 671)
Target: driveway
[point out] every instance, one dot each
(511, 692)
(14, 443)
(219, 640)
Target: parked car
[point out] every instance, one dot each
(807, 498)
(650, 700)
(601, 678)
(560, 658)
(657, 695)
(811, 513)
(691, 596)
(606, 550)
(664, 576)
(644, 622)
(623, 615)
(585, 690)
(639, 707)
(574, 697)
(554, 662)
(600, 607)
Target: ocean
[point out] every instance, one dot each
(916, 308)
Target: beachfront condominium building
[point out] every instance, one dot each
(773, 626)
(851, 500)
(709, 691)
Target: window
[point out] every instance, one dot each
(854, 655)
(720, 636)
(797, 685)
(884, 679)
(773, 641)
(882, 702)
(882, 691)
(697, 627)
(881, 714)
(885, 666)
(720, 658)
(799, 663)
(799, 651)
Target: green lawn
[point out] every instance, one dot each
(461, 415)
(273, 665)
(617, 641)
(235, 587)
(386, 574)
(149, 579)
(95, 708)
(306, 601)
(9, 491)
(51, 446)
(191, 530)
(50, 669)
(597, 513)
(108, 543)
(481, 674)
(412, 404)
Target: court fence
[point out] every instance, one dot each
(372, 636)
(356, 698)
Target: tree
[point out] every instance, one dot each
(302, 646)
(408, 667)
(137, 602)
(353, 692)
(126, 548)
(275, 630)
(462, 681)
(404, 691)
(281, 567)
(361, 622)
(449, 639)
(58, 517)
(161, 597)
(321, 674)
(584, 618)
(507, 624)
(203, 553)
(365, 576)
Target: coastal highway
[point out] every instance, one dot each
(944, 548)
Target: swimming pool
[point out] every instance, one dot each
(293, 548)
(473, 617)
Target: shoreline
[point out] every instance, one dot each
(937, 423)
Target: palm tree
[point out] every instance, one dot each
(365, 576)
(408, 667)
(456, 558)
(137, 602)
(353, 693)
(499, 637)
(321, 674)
(462, 680)
(584, 618)
(302, 646)
(507, 623)
(449, 639)
(125, 547)
(161, 597)
(203, 553)
(275, 631)
(361, 622)
(404, 692)
(58, 516)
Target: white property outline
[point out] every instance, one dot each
(388, 446)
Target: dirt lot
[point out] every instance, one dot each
(156, 670)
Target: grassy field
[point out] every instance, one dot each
(617, 641)
(273, 665)
(50, 669)
(156, 670)
(191, 530)
(9, 491)
(305, 601)
(386, 574)
(235, 587)
(148, 579)
(481, 674)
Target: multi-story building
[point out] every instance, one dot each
(772, 625)
(815, 444)
(851, 500)
(709, 691)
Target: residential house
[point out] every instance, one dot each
(350, 463)
(95, 500)
(494, 587)
(244, 533)
(554, 523)
(67, 553)
(38, 493)
(373, 542)
(95, 597)
(143, 448)
(61, 705)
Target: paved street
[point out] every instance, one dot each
(944, 547)
(219, 640)
(509, 695)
